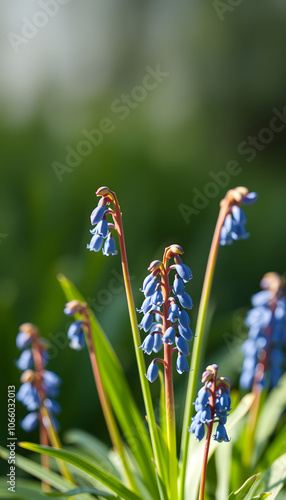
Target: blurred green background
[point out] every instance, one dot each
(223, 78)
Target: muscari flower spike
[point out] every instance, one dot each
(36, 385)
(212, 405)
(233, 228)
(264, 350)
(164, 317)
(101, 235)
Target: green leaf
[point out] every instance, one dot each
(83, 489)
(48, 476)
(223, 456)
(118, 392)
(270, 415)
(245, 488)
(262, 496)
(89, 468)
(196, 449)
(273, 479)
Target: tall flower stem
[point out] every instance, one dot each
(198, 341)
(208, 439)
(106, 407)
(169, 388)
(137, 341)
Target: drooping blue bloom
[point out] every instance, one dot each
(152, 372)
(221, 434)
(147, 321)
(52, 406)
(182, 345)
(25, 361)
(249, 198)
(28, 395)
(182, 364)
(97, 215)
(51, 383)
(30, 422)
(101, 228)
(109, 246)
(234, 224)
(96, 243)
(150, 288)
(23, 340)
(185, 300)
(184, 272)
(169, 335)
(186, 333)
(178, 286)
(158, 342)
(148, 344)
(157, 298)
(76, 335)
(174, 312)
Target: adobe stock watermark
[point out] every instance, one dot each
(221, 7)
(48, 9)
(251, 147)
(234, 340)
(121, 107)
(105, 296)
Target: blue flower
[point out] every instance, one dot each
(52, 406)
(101, 228)
(184, 272)
(178, 286)
(28, 395)
(174, 312)
(23, 340)
(221, 434)
(182, 364)
(76, 335)
(158, 342)
(234, 224)
(95, 243)
(97, 215)
(109, 246)
(185, 300)
(30, 422)
(147, 321)
(169, 335)
(51, 382)
(157, 298)
(152, 372)
(150, 287)
(182, 345)
(148, 344)
(25, 361)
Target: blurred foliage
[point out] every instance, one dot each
(225, 79)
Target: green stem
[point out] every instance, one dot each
(137, 341)
(106, 407)
(198, 341)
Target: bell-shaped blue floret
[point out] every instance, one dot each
(225, 237)
(184, 272)
(206, 415)
(203, 396)
(109, 246)
(169, 335)
(261, 298)
(23, 340)
(185, 300)
(146, 322)
(97, 215)
(30, 422)
(178, 286)
(147, 280)
(239, 232)
(238, 214)
(76, 335)
(150, 287)
(173, 312)
(28, 395)
(75, 328)
(158, 342)
(52, 406)
(186, 333)
(101, 228)
(221, 434)
(51, 382)
(182, 364)
(148, 344)
(146, 306)
(184, 318)
(95, 243)
(25, 361)
(249, 198)
(199, 431)
(182, 345)
(157, 298)
(225, 401)
(152, 372)
(260, 316)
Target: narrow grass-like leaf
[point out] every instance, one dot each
(272, 480)
(242, 493)
(271, 412)
(77, 491)
(118, 392)
(48, 476)
(104, 477)
(223, 469)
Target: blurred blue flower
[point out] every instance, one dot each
(152, 372)
(76, 335)
(109, 246)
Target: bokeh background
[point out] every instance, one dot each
(224, 75)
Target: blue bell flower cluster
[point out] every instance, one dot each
(101, 231)
(33, 386)
(206, 414)
(266, 340)
(75, 331)
(233, 228)
(179, 331)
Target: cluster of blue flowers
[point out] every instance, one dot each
(36, 389)
(266, 340)
(101, 231)
(233, 228)
(179, 331)
(207, 414)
